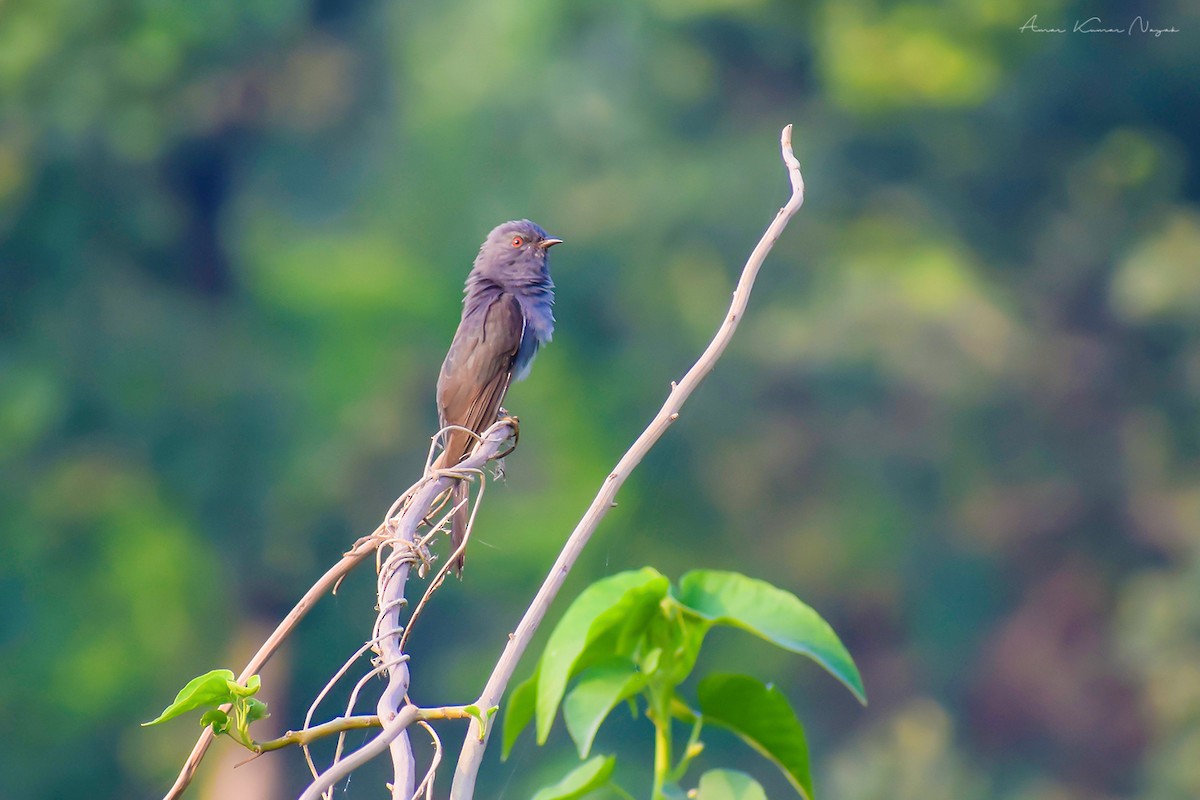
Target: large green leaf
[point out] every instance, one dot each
(763, 718)
(606, 607)
(728, 598)
(728, 784)
(210, 689)
(599, 689)
(587, 777)
(518, 712)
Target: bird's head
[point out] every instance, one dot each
(516, 251)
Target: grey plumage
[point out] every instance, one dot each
(507, 315)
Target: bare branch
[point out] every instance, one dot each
(405, 550)
(416, 504)
(391, 730)
(473, 748)
(362, 548)
(350, 704)
(362, 755)
(440, 578)
(426, 785)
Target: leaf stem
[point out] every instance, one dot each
(616, 788)
(692, 749)
(662, 741)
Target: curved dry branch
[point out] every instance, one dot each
(412, 508)
(391, 731)
(374, 748)
(362, 548)
(473, 748)
(393, 708)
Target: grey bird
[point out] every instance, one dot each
(507, 315)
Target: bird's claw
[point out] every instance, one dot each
(515, 424)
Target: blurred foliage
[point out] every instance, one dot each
(960, 417)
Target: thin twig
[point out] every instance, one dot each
(426, 785)
(393, 709)
(440, 578)
(362, 755)
(473, 748)
(437, 482)
(392, 581)
(378, 669)
(309, 735)
(407, 716)
(362, 548)
(321, 695)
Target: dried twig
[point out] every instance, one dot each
(362, 548)
(426, 785)
(417, 503)
(473, 748)
(391, 730)
(321, 695)
(393, 708)
(440, 577)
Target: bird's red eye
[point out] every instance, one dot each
(517, 241)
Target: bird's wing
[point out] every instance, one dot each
(477, 371)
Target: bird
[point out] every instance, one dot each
(507, 315)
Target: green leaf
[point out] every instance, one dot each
(217, 718)
(618, 605)
(728, 784)
(587, 777)
(255, 710)
(762, 717)
(599, 689)
(482, 717)
(249, 690)
(518, 712)
(209, 689)
(727, 598)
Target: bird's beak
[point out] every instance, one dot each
(546, 244)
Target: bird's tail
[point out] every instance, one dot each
(461, 516)
(459, 522)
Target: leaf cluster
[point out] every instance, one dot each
(231, 706)
(634, 636)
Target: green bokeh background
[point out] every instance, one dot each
(960, 418)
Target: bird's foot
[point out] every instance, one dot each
(515, 422)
